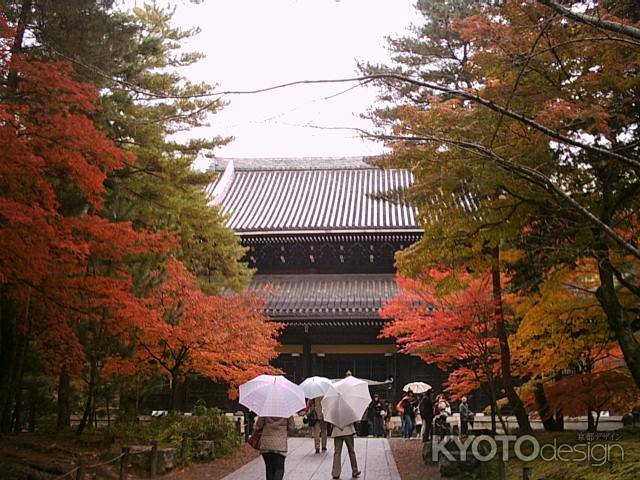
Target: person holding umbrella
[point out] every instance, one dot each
(275, 399)
(344, 436)
(273, 443)
(319, 427)
(344, 404)
(314, 389)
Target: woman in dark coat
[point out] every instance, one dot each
(426, 412)
(376, 417)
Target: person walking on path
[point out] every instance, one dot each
(418, 418)
(273, 443)
(426, 412)
(375, 416)
(319, 428)
(387, 419)
(441, 410)
(344, 435)
(466, 417)
(408, 407)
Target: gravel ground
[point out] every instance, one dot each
(408, 456)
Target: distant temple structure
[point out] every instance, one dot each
(322, 240)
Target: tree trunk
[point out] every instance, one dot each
(542, 405)
(22, 360)
(591, 425)
(560, 420)
(494, 411)
(93, 418)
(64, 398)
(492, 404)
(18, 38)
(8, 356)
(12, 391)
(8, 322)
(505, 354)
(89, 402)
(174, 392)
(618, 320)
(17, 410)
(33, 401)
(137, 410)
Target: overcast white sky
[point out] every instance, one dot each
(257, 43)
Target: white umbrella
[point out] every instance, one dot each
(346, 401)
(315, 387)
(272, 396)
(417, 387)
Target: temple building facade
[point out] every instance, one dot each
(322, 241)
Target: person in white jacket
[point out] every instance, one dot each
(340, 436)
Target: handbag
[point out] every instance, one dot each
(254, 439)
(312, 418)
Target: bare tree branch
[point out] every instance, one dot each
(527, 173)
(365, 79)
(554, 134)
(598, 22)
(523, 68)
(605, 38)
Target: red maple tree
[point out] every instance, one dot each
(64, 284)
(223, 337)
(66, 287)
(448, 319)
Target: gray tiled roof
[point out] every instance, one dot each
(288, 163)
(312, 197)
(332, 296)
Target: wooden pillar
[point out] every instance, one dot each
(124, 464)
(153, 462)
(306, 354)
(82, 469)
(397, 387)
(388, 363)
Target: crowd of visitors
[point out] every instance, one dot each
(424, 417)
(421, 415)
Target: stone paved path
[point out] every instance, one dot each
(375, 461)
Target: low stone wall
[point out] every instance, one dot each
(483, 422)
(141, 456)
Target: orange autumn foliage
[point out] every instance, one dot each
(454, 328)
(61, 263)
(564, 340)
(223, 337)
(66, 283)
